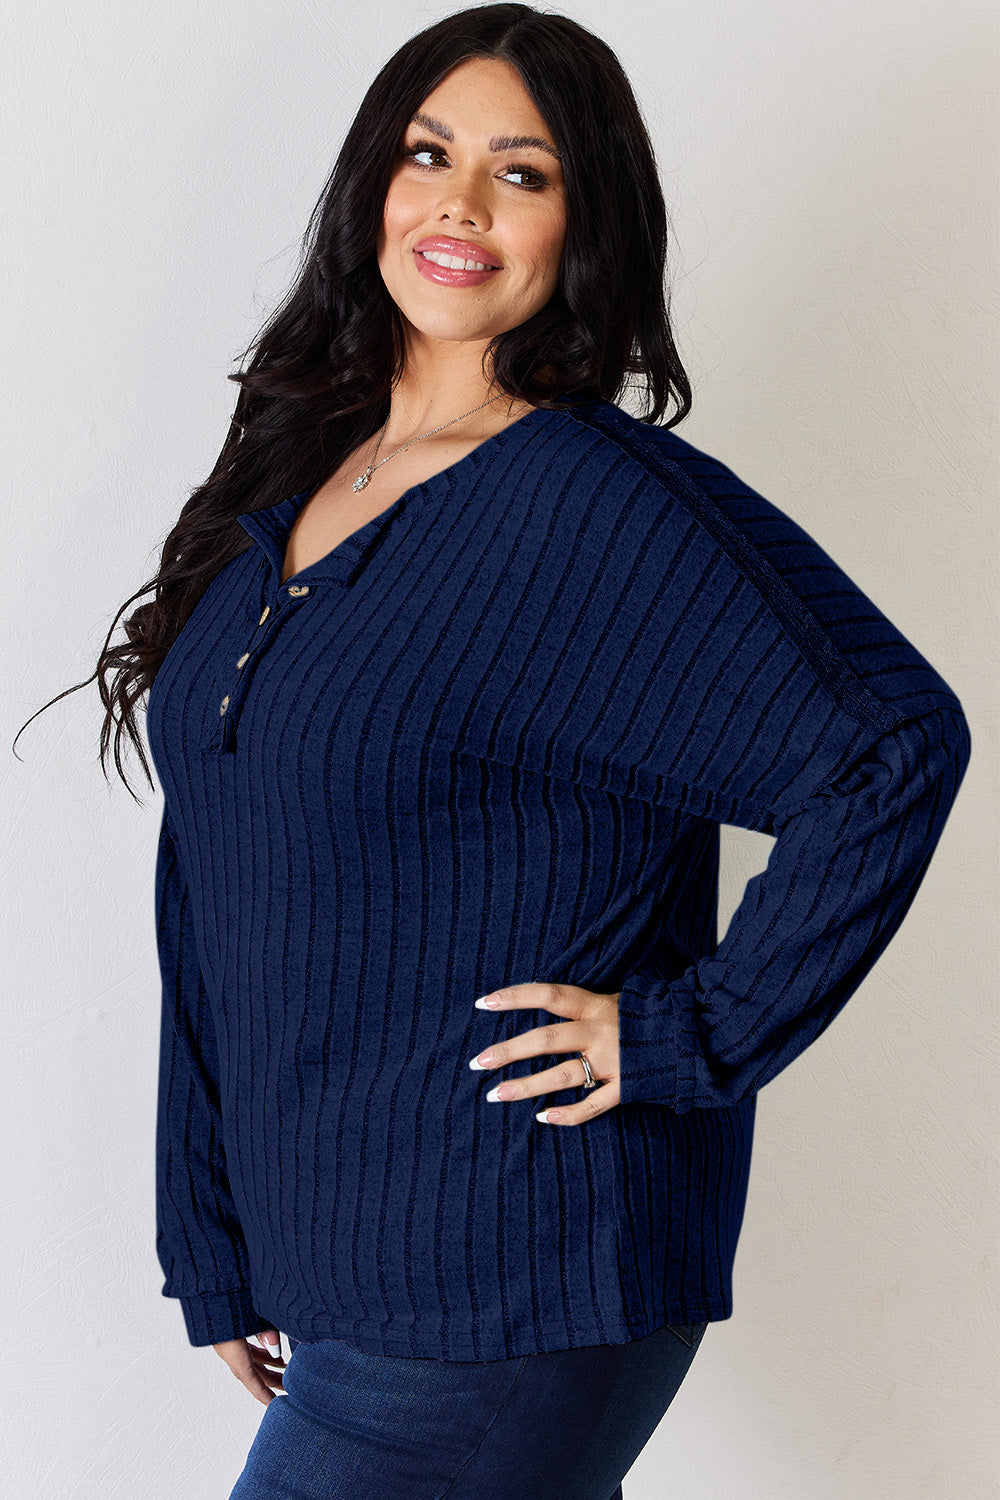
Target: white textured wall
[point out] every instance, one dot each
(831, 172)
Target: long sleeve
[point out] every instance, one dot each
(845, 867)
(199, 1241)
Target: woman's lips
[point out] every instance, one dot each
(446, 276)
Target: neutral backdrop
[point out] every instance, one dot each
(831, 175)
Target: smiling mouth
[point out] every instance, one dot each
(455, 262)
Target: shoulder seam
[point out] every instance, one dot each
(847, 687)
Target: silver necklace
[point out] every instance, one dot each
(362, 479)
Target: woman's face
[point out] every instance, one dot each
(505, 203)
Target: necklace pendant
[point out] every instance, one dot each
(362, 480)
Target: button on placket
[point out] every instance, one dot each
(225, 736)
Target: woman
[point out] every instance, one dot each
(458, 670)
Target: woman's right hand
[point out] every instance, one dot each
(250, 1364)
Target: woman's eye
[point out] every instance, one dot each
(424, 148)
(415, 151)
(540, 181)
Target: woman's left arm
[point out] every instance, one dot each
(757, 685)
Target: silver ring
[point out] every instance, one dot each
(590, 1082)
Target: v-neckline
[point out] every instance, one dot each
(271, 526)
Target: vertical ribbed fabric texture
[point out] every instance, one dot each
(490, 739)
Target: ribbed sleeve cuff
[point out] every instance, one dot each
(217, 1316)
(654, 1044)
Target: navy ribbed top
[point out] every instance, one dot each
(490, 739)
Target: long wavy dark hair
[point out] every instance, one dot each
(320, 379)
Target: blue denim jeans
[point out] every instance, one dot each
(562, 1425)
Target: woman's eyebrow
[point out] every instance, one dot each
(497, 142)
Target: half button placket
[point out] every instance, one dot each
(290, 596)
(270, 529)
